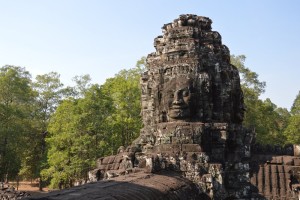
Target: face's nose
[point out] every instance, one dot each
(178, 98)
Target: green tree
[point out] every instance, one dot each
(82, 85)
(295, 110)
(94, 118)
(77, 137)
(124, 89)
(271, 123)
(16, 96)
(249, 79)
(293, 129)
(48, 93)
(282, 121)
(268, 120)
(59, 142)
(252, 89)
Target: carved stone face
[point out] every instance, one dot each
(179, 106)
(176, 99)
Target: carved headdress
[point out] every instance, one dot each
(190, 77)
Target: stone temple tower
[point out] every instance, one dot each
(192, 109)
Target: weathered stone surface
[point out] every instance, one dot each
(190, 77)
(137, 186)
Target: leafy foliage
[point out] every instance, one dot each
(268, 120)
(293, 129)
(124, 89)
(49, 92)
(47, 95)
(295, 110)
(77, 136)
(15, 99)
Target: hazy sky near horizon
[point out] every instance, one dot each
(75, 37)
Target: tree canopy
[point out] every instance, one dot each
(293, 128)
(268, 120)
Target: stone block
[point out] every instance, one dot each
(191, 147)
(296, 161)
(296, 148)
(116, 166)
(108, 160)
(102, 167)
(99, 162)
(288, 160)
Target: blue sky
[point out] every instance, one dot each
(76, 37)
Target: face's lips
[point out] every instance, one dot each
(179, 113)
(179, 107)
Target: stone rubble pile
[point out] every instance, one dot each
(10, 193)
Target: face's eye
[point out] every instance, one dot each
(185, 93)
(171, 95)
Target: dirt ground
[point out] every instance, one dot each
(27, 186)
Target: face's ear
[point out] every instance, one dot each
(192, 87)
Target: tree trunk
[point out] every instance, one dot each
(40, 184)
